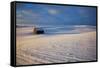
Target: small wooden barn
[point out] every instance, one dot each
(38, 30)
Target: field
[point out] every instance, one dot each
(57, 48)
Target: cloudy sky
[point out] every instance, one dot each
(39, 14)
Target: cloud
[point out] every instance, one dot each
(53, 11)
